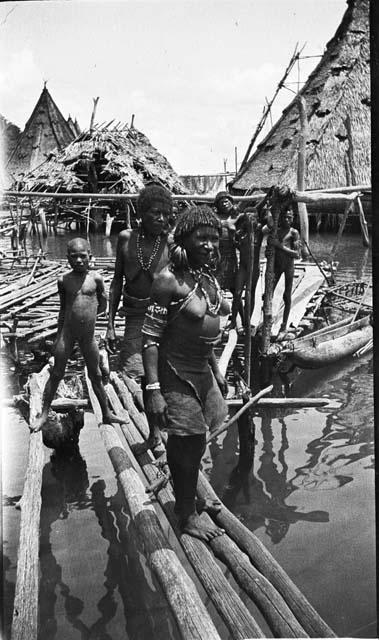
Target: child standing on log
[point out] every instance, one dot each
(82, 297)
(287, 249)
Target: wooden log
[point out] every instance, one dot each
(190, 613)
(261, 558)
(25, 608)
(234, 613)
(60, 405)
(301, 170)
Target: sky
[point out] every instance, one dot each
(196, 73)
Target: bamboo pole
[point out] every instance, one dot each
(339, 194)
(25, 608)
(92, 121)
(234, 613)
(301, 170)
(191, 615)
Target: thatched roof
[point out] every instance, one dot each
(118, 159)
(337, 96)
(45, 131)
(9, 134)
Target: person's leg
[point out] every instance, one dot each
(184, 455)
(237, 296)
(62, 353)
(287, 297)
(154, 440)
(91, 357)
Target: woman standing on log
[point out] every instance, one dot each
(184, 387)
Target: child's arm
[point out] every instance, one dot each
(293, 253)
(296, 243)
(100, 292)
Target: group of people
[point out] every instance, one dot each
(171, 282)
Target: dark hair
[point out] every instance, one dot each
(84, 242)
(189, 220)
(221, 195)
(153, 193)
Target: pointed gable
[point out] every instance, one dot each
(45, 131)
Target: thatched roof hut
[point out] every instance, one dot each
(45, 131)
(113, 160)
(337, 96)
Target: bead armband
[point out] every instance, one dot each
(150, 344)
(152, 386)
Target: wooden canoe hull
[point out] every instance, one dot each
(331, 344)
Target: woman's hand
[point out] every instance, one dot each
(110, 340)
(156, 408)
(223, 385)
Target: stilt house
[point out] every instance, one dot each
(337, 96)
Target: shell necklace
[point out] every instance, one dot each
(157, 243)
(197, 274)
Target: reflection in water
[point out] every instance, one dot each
(348, 435)
(65, 489)
(264, 494)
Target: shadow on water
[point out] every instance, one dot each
(125, 578)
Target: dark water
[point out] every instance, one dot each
(305, 486)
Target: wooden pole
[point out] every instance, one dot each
(92, 121)
(247, 310)
(190, 613)
(301, 170)
(363, 222)
(269, 279)
(340, 230)
(25, 607)
(214, 434)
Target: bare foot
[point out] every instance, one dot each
(213, 507)
(195, 527)
(152, 443)
(110, 417)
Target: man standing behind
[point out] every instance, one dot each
(227, 271)
(141, 254)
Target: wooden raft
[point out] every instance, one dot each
(284, 607)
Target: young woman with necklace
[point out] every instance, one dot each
(184, 390)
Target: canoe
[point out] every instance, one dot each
(330, 344)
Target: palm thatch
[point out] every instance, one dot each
(117, 159)
(337, 96)
(45, 131)
(9, 134)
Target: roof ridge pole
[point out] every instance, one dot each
(267, 109)
(301, 169)
(95, 101)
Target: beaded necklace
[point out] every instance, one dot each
(157, 243)
(197, 274)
